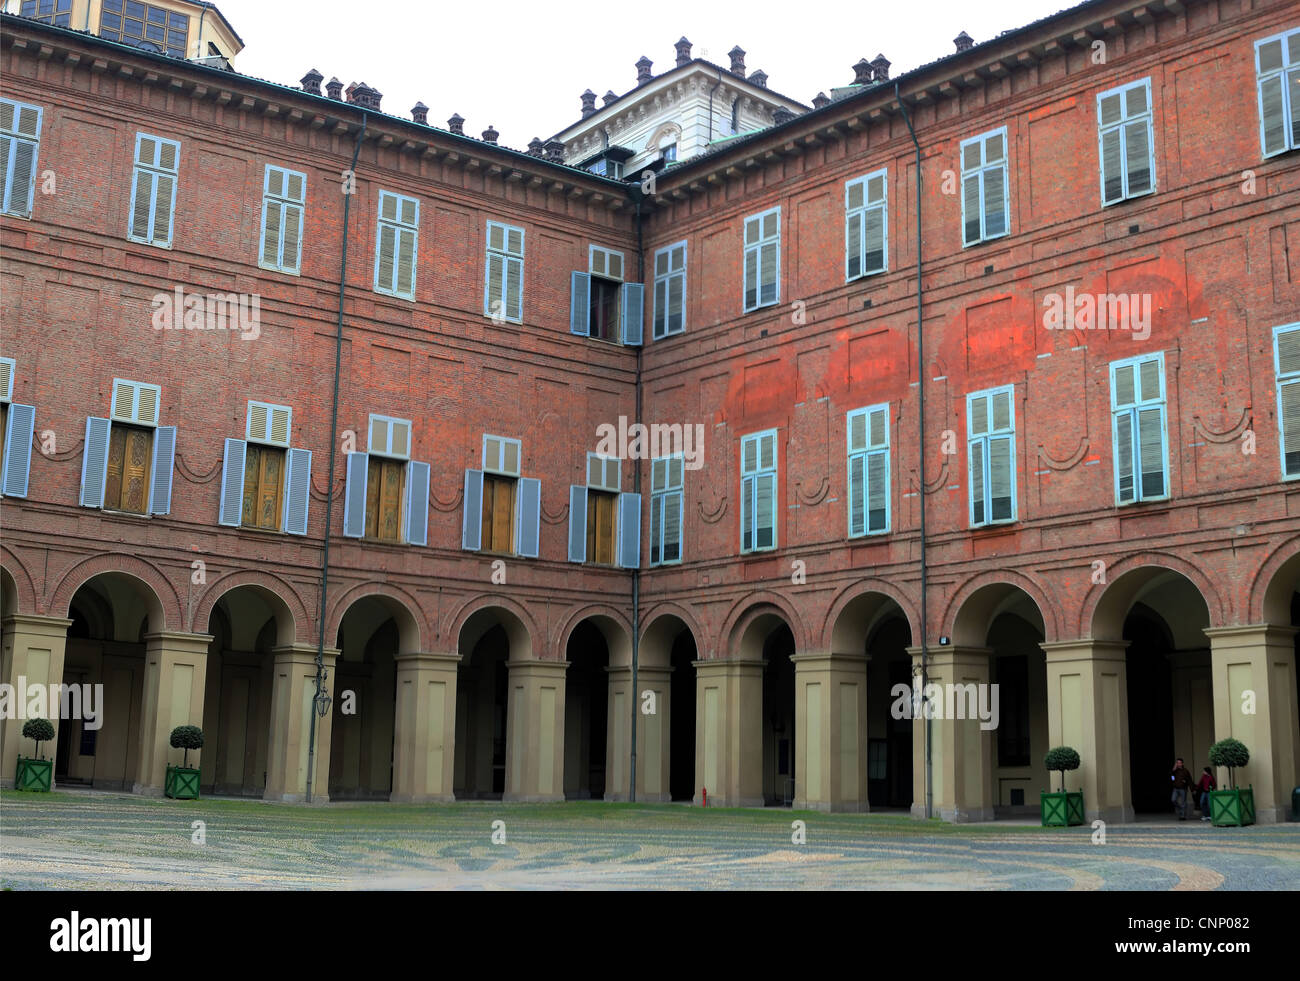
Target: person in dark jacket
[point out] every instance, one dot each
(1206, 784)
(1182, 780)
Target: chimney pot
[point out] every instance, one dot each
(643, 66)
(335, 89)
(555, 151)
(420, 113)
(490, 135)
(963, 41)
(536, 147)
(880, 65)
(862, 72)
(609, 97)
(737, 61)
(820, 99)
(683, 47)
(311, 82)
(456, 124)
(781, 115)
(759, 78)
(588, 103)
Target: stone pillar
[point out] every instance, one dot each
(1258, 660)
(293, 691)
(652, 733)
(535, 731)
(175, 675)
(1087, 709)
(961, 751)
(424, 734)
(729, 731)
(830, 732)
(31, 652)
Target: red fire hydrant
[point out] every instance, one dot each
(705, 792)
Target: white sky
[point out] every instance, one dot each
(521, 66)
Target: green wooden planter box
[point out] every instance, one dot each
(1062, 809)
(182, 783)
(37, 775)
(1232, 808)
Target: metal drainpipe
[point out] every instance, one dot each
(198, 41)
(329, 486)
(636, 489)
(920, 412)
(711, 91)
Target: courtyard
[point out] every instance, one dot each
(96, 840)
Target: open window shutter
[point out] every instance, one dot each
(405, 262)
(530, 517)
(878, 491)
(164, 199)
(1290, 398)
(672, 518)
(18, 449)
(853, 244)
(354, 495)
(141, 204)
(515, 289)
(629, 531)
(751, 278)
(1112, 167)
(231, 513)
(1137, 153)
(1271, 114)
(387, 251)
(164, 458)
(857, 496)
(417, 503)
(580, 303)
(1124, 485)
(1151, 451)
(6, 154)
(1000, 477)
(632, 305)
(272, 213)
(970, 198)
(495, 277)
(977, 516)
(471, 532)
(577, 523)
(94, 463)
(297, 491)
(291, 247)
(20, 189)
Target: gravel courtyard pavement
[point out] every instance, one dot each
(97, 840)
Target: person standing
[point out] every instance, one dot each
(1206, 784)
(1182, 779)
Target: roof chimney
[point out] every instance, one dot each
(759, 78)
(420, 113)
(555, 151)
(880, 65)
(456, 124)
(683, 52)
(737, 61)
(609, 97)
(335, 89)
(535, 147)
(862, 72)
(311, 82)
(781, 115)
(490, 135)
(588, 103)
(643, 66)
(820, 99)
(963, 41)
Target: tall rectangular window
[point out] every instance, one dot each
(991, 452)
(396, 244)
(284, 195)
(758, 488)
(1126, 141)
(985, 204)
(503, 297)
(20, 136)
(762, 259)
(1287, 354)
(866, 224)
(670, 290)
(868, 437)
(666, 510)
(601, 305)
(56, 12)
(386, 496)
(128, 458)
(144, 25)
(1137, 404)
(153, 189)
(1277, 73)
(265, 483)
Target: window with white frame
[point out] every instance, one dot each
(128, 459)
(1126, 142)
(666, 475)
(868, 438)
(502, 508)
(503, 296)
(20, 139)
(601, 305)
(386, 497)
(762, 259)
(670, 290)
(153, 189)
(1286, 340)
(604, 522)
(1137, 404)
(284, 196)
(866, 225)
(758, 489)
(985, 203)
(1277, 72)
(397, 232)
(991, 455)
(265, 483)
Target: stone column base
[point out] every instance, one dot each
(729, 731)
(831, 732)
(535, 731)
(175, 674)
(424, 730)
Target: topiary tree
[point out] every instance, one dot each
(1231, 753)
(39, 731)
(187, 738)
(1061, 758)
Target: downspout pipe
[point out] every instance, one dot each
(329, 484)
(711, 91)
(636, 489)
(920, 412)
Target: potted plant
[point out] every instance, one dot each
(1064, 808)
(36, 773)
(182, 782)
(1233, 806)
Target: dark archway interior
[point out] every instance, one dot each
(778, 718)
(1295, 622)
(889, 752)
(481, 698)
(681, 698)
(361, 741)
(1150, 712)
(586, 711)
